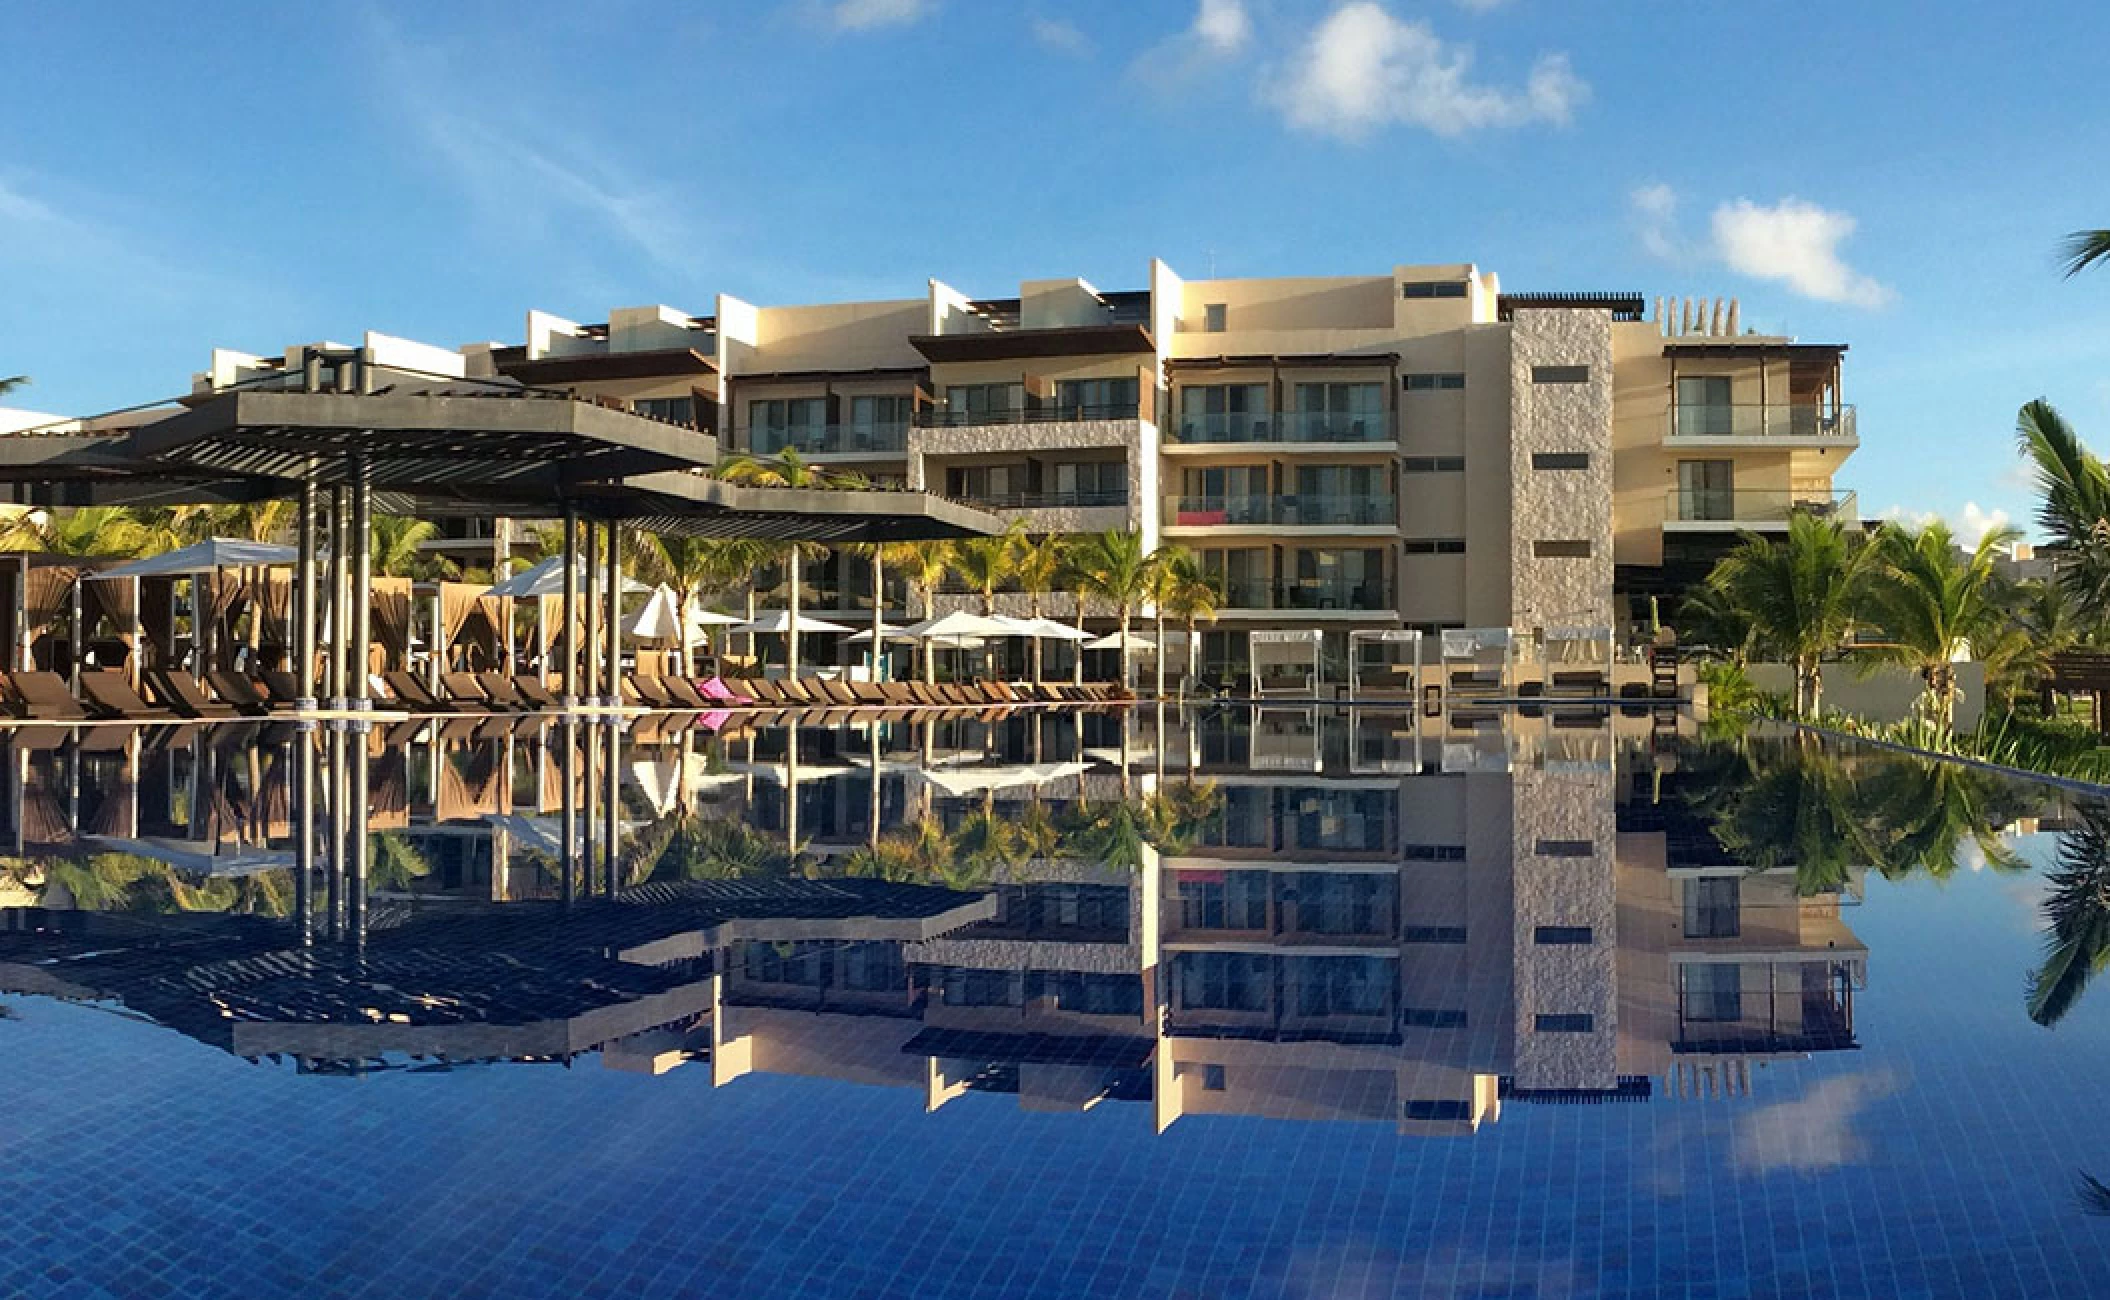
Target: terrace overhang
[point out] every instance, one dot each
(657, 363)
(1007, 345)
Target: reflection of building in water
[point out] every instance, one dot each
(1291, 913)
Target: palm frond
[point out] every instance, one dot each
(2083, 249)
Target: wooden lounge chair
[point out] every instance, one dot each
(239, 693)
(282, 686)
(866, 693)
(501, 691)
(43, 697)
(650, 690)
(838, 691)
(534, 692)
(463, 690)
(412, 695)
(684, 695)
(110, 695)
(181, 692)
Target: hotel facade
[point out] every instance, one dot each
(1412, 449)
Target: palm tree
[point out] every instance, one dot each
(1038, 567)
(985, 562)
(2077, 913)
(12, 382)
(2074, 510)
(1935, 605)
(788, 469)
(90, 532)
(1192, 596)
(1077, 582)
(924, 565)
(1711, 617)
(691, 568)
(398, 545)
(1802, 595)
(254, 521)
(1116, 569)
(2083, 249)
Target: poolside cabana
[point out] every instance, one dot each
(1394, 653)
(1577, 661)
(1475, 661)
(1286, 661)
(227, 578)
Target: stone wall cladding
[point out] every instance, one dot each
(1565, 979)
(1028, 955)
(1136, 437)
(1560, 505)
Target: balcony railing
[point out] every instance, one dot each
(941, 417)
(1045, 500)
(1755, 506)
(828, 440)
(1375, 597)
(1787, 420)
(1283, 427)
(1301, 510)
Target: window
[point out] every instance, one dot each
(1213, 1078)
(1433, 546)
(674, 410)
(879, 414)
(1335, 412)
(1560, 550)
(1704, 407)
(1565, 848)
(1093, 995)
(1223, 412)
(1342, 986)
(779, 422)
(1097, 398)
(1340, 904)
(871, 967)
(993, 400)
(1432, 465)
(1433, 852)
(960, 987)
(1431, 1018)
(1713, 907)
(1431, 383)
(1432, 289)
(1711, 991)
(1560, 374)
(1574, 1023)
(1706, 489)
(1213, 315)
(1561, 934)
(1224, 981)
(792, 963)
(1560, 460)
(1092, 482)
(1433, 934)
(1237, 900)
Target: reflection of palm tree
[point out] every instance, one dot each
(2093, 1196)
(718, 848)
(1796, 812)
(1924, 815)
(395, 863)
(921, 854)
(2077, 913)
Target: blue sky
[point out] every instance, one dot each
(1894, 175)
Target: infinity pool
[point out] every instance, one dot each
(1279, 1002)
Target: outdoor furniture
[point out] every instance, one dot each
(651, 690)
(684, 694)
(501, 691)
(43, 697)
(181, 692)
(412, 695)
(239, 692)
(110, 695)
(533, 691)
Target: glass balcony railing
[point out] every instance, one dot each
(1787, 420)
(941, 417)
(1302, 510)
(1046, 500)
(1375, 597)
(828, 439)
(1739, 506)
(1283, 427)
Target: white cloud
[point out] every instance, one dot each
(1813, 1133)
(1222, 26)
(1793, 241)
(1967, 527)
(1059, 36)
(1480, 6)
(1797, 243)
(861, 15)
(1362, 69)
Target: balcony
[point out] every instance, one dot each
(829, 440)
(1281, 428)
(1302, 510)
(1310, 596)
(941, 417)
(1685, 510)
(1776, 425)
(1117, 499)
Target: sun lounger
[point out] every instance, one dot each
(651, 691)
(500, 690)
(412, 695)
(685, 695)
(43, 697)
(110, 695)
(180, 692)
(714, 688)
(534, 692)
(239, 693)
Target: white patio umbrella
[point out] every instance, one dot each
(547, 579)
(1049, 630)
(888, 630)
(958, 629)
(658, 619)
(1113, 641)
(212, 553)
(778, 621)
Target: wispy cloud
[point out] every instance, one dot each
(1793, 242)
(1968, 526)
(859, 15)
(1059, 36)
(1222, 27)
(1479, 6)
(520, 171)
(1219, 33)
(1362, 69)
(1816, 1131)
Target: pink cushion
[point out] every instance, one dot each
(713, 720)
(711, 688)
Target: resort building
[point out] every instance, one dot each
(1414, 448)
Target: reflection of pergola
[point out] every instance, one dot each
(1388, 642)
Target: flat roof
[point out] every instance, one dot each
(1063, 341)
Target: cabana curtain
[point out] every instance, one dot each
(391, 618)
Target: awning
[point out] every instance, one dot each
(779, 621)
(547, 579)
(201, 557)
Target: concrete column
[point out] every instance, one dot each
(612, 800)
(362, 623)
(791, 616)
(612, 635)
(591, 661)
(304, 612)
(567, 626)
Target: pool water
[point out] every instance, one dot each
(1223, 1002)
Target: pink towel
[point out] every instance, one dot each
(713, 720)
(712, 688)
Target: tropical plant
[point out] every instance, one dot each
(254, 521)
(1935, 605)
(923, 565)
(1114, 568)
(398, 547)
(2083, 249)
(90, 532)
(788, 469)
(2076, 911)
(2073, 509)
(1190, 593)
(1711, 618)
(1038, 568)
(1803, 595)
(1075, 579)
(12, 382)
(985, 562)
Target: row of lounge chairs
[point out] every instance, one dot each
(179, 697)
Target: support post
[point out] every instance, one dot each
(362, 626)
(791, 616)
(340, 600)
(567, 623)
(591, 662)
(304, 616)
(567, 773)
(612, 800)
(613, 635)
